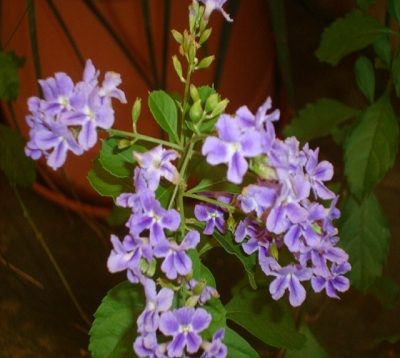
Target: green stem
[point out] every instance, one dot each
(209, 200)
(51, 257)
(146, 138)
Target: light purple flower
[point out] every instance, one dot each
(147, 346)
(184, 325)
(176, 261)
(109, 88)
(215, 349)
(155, 304)
(257, 198)
(212, 5)
(232, 147)
(205, 294)
(156, 163)
(212, 215)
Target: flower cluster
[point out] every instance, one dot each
(138, 253)
(69, 115)
(278, 207)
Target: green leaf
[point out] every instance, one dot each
(205, 92)
(118, 162)
(371, 146)
(118, 216)
(396, 71)
(107, 184)
(9, 82)
(217, 310)
(237, 346)
(18, 168)
(365, 77)
(163, 108)
(386, 291)
(393, 7)
(164, 193)
(346, 35)
(114, 328)
(364, 235)
(319, 119)
(364, 4)
(312, 348)
(382, 48)
(270, 333)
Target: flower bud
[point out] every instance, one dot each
(274, 250)
(262, 169)
(146, 268)
(196, 111)
(198, 289)
(178, 67)
(194, 93)
(205, 62)
(136, 109)
(220, 108)
(177, 36)
(124, 143)
(205, 35)
(192, 301)
(192, 53)
(212, 102)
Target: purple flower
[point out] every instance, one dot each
(206, 293)
(232, 146)
(156, 163)
(213, 216)
(147, 346)
(154, 217)
(109, 88)
(257, 198)
(155, 304)
(176, 260)
(212, 5)
(215, 349)
(334, 282)
(184, 325)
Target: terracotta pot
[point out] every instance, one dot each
(247, 76)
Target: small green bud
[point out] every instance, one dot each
(178, 67)
(194, 93)
(192, 53)
(211, 102)
(205, 35)
(205, 62)
(163, 282)
(274, 250)
(198, 289)
(316, 228)
(220, 108)
(177, 36)
(124, 143)
(146, 268)
(262, 169)
(231, 223)
(196, 111)
(136, 109)
(192, 301)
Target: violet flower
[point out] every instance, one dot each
(212, 5)
(215, 349)
(212, 215)
(147, 346)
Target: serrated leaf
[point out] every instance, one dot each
(312, 348)
(237, 346)
(9, 82)
(114, 329)
(118, 162)
(346, 35)
(364, 4)
(396, 71)
(270, 333)
(386, 291)
(364, 234)
(393, 7)
(107, 184)
(365, 77)
(18, 168)
(319, 119)
(163, 108)
(382, 48)
(371, 146)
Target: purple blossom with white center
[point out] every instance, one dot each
(334, 282)
(154, 217)
(212, 5)
(89, 113)
(287, 277)
(127, 254)
(156, 303)
(257, 198)
(232, 147)
(248, 228)
(212, 215)
(176, 261)
(184, 325)
(215, 349)
(318, 173)
(147, 346)
(90, 74)
(156, 163)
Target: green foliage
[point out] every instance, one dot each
(382, 49)
(365, 77)
(396, 71)
(346, 35)
(107, 184)
(237, 346)
(393, 7)
(386, 291)
(312, 348)
(268, 320)
(9, 82)
(164, 111)
(319, 119)
(371, 147)
(364, 4)
(19, 168)
(114, 329)
(364, 235)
